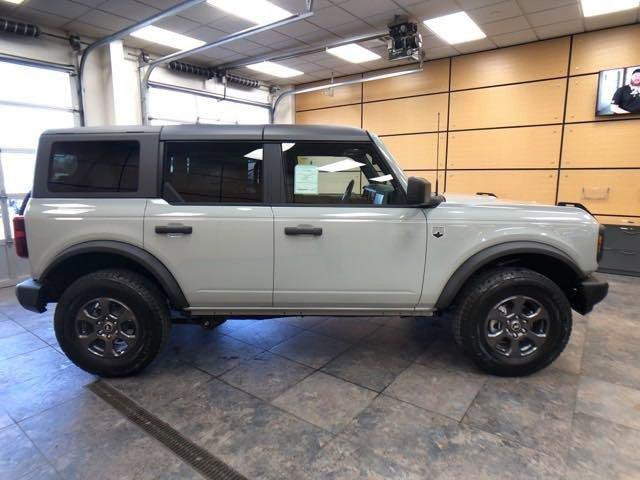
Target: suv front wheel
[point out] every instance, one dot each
(512, 321)
(112, 322)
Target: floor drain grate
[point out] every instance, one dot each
(194, 455)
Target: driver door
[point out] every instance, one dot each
(345, 238)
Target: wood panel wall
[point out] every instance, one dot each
(518, 121)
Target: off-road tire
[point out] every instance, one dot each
(142, 297)
(472, 307)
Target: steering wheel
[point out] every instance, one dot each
(346, 196)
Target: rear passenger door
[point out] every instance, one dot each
(213, 227)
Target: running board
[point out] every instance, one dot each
(315, 311)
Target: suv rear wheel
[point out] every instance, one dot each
(512, 321)
(112, 322)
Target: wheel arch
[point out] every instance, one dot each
(86, 257)
(540, 257)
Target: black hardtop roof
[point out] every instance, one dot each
(276, 132)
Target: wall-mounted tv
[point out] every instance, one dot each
(619, 91)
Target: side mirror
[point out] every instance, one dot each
(418, 191)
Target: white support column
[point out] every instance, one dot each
(124, 87)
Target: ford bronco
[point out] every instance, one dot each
(129, 229)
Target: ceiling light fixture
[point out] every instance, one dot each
(167, 38)
(275, 69)
(353, 53)
(256, 11)
(591, 8)
(15, 2)
(455, 28)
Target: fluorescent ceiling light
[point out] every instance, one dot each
(16, 2)
(591, 8)
(353, 53)
(167, 38)
(275, 69)
(256, 11)
(340, 166)
(455, 28)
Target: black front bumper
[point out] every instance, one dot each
(589, 292)
(31, 295)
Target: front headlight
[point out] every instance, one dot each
(600, 246)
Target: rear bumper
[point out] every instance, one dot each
(31, 295)
(589, 292)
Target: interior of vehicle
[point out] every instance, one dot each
(336, 173)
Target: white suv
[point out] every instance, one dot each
(130, 228)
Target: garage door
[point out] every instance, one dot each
(32, 100)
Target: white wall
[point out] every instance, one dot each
(42, 48)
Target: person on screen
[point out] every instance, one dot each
(627, 98)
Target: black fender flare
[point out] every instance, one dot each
(136, 254)
(493, 253)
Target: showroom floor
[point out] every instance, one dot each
(330, 398)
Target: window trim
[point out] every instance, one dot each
(267, 175)
(147, 173)
(283, 198)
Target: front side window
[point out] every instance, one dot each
(94, 166)
(214, 172)
(339, 173)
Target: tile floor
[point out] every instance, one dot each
(330, 398)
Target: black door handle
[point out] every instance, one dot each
(165, 229)
(303, 230)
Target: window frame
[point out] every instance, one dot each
(283, 199)
(147, 173)
(267, 172)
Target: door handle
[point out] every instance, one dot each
(166, 229)
(303, 230)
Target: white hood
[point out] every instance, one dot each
(461, 199)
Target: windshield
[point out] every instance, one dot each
(400, 175)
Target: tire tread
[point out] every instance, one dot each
(468, 299)
(148, 293)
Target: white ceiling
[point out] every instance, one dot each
(507, 22)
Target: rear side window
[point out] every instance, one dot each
(100, 166)
(214, 172)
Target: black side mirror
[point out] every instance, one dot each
(418, 191)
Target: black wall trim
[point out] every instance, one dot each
(564, 118)
(446, 148)
(511, 126)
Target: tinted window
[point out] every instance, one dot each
(339, 173)
(102, 166)
(214, 172)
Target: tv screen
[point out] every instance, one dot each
(619, 91)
